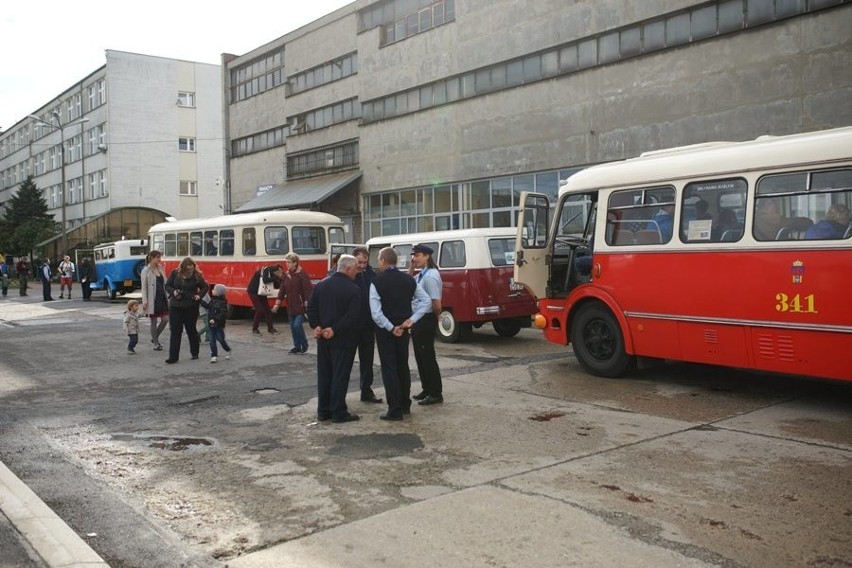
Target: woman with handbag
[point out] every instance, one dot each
(261, 285)
(296, 289)
(155, 303)
(185, 288)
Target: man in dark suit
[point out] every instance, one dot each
(333, 312)
(365, 333)
(396, 303)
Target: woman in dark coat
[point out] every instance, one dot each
(296, 288)
(185, 288)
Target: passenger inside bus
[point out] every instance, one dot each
(727, 229)
(767, 220)
(834, 226)
(664, 222)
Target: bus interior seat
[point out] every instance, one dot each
(648, 237)
(848, 232)
(307, 250)
(622, 237)
(784, 234)
(731, 235)
(249, 252)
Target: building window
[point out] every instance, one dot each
(324, 116)
(75, 190)
(257, 76)
(188, 188)
(186, 144)
(326, 160)
(55, 196)
(186, 99)
(400, 19)
(101, 92)
(320, 75)
(261, 141)
(102, 182)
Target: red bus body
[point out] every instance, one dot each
(179, 239)
(744, 297)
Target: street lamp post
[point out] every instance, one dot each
(61, 127)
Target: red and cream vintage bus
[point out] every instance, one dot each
(735, 254)
(229, 249)
(476, 269)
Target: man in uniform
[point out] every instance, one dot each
(396, 303)
(333, 312)
(423, 332)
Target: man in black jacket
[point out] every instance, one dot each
(333, 312)
(365, 332)
(396, 303)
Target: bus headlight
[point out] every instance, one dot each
(539, 321)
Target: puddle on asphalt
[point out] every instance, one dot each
(169, 443)
(265, 391)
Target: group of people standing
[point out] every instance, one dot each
(400, 310)
(66, 270)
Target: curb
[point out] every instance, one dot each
(53, 540)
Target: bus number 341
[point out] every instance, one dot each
(795, 304)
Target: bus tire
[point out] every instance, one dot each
(507, 327)
(111, 292)
(451, 330)
(599, 343)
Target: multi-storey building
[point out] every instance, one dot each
(414, 115)
(134, 142)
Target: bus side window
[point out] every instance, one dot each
(226, 242)
(308, 240)
(249, 242)
(403, 255)
(211, 243)
(195, 243)
(453, 254)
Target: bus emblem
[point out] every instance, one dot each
(797, 271)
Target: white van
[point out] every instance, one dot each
(477, 270)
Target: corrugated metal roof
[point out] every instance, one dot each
(302, 193)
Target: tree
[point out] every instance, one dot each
(27, 221)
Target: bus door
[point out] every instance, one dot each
(531, 266)
(571, 249)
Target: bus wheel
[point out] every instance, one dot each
(507, 327)
(111, 292)
(451, 330)
(598, 342)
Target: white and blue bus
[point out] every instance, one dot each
(118, 266)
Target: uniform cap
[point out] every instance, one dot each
(422, 248)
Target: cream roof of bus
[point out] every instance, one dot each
(717, 159)
(248, 219)
(415, 238)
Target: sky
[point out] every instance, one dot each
(49, 45)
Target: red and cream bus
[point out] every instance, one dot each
(734, 254)
(229, 249)
(476, 269)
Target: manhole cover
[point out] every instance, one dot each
(265, 391)
(375, 446)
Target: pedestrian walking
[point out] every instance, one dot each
(333, 315)
(45, 274)
(295, 289)
(4, 276)
(217, 316)
(22, 269)
(155, 302)
(270, 276)
(366, 330)
(185, 288)
(66, 276)
(396, 304)
(131, 325)
(87, 276)
(423, 332)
